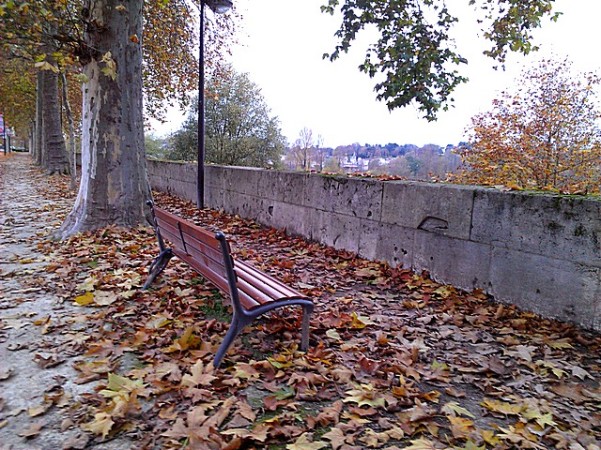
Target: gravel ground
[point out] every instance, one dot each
(37, 395)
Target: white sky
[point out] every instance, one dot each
(281, 47)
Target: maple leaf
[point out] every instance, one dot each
(303, 443)
(421, 444)
(117, 383)
(199, 375)
(460, 427)
(258, 433)
(502, 407)
(246, 371)
(365, 395)
(336, 437)
(105, 298)
(541, 419)
(373, 439)
(101, 424)
(187, 341)
(470, 445)
(453, 408)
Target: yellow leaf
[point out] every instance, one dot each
(101, 424)
(119, 383)
(490, 437)
(460, 427)
(85, 299)
(365, 395)
(45, 65)
(303, 443)
(445, 291)
(360, 322)
(560, 344)
(453, 408)
(421, 444)
(502, 407)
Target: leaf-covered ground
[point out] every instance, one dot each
(396, 360)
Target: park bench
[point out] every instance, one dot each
(252, 292)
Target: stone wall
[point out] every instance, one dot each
(540, 252)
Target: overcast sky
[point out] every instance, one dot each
(281, 47)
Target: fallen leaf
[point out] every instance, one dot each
(85, 299)
(33, 430)
(101, 424)
(303, 443)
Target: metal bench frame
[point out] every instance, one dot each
(229, 281)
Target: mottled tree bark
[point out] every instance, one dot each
(39, 118)
(114, 184)
(71, 127)
(54, 153)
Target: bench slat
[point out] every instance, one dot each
(260, 278)
(214, 277)
(192, 246)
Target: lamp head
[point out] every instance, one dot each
(219, 6)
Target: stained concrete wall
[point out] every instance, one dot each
(540, 252)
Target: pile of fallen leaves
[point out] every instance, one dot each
(396, 360)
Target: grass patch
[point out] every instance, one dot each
(215, 308)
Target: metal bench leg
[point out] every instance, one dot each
(236, 327)
(158, 265)
(305, 329)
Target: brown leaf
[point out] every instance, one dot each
(33, 430)
(78, 442)
(48, 361)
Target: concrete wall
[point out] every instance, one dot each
(540, 252)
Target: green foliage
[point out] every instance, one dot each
(239, 128)
(415, 53)
(156, 147)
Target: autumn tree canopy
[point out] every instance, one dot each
(542, 135)
(414, 56)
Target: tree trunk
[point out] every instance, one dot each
(71, 153)
(114, 185)
(54, 158)
(39, 119)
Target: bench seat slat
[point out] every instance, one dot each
(211, 275)
(190, 244)
(249, 272)
(171, 233)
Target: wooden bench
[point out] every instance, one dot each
(252, 292)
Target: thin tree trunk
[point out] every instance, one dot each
(72, 155)
(55, 158)
(39, 119)
(114, 185)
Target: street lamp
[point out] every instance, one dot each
(219, 7)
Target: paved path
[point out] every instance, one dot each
(37, 396)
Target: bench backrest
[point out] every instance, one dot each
(206, 252)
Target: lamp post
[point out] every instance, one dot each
(219, 7)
